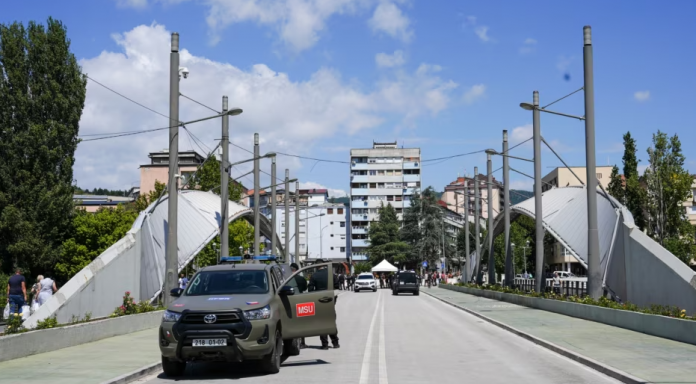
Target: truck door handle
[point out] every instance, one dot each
(325, 299)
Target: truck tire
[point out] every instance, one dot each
(271, 362)
(291, 347)
(173, 368)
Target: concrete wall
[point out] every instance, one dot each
(99, 287)
(660, 326)
(654, 275)
(48, 340)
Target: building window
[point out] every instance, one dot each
(329, 211)
(373, 185)
(340, 211)
(373, 173)
(332, 248)
(343, 224)
(343, 249)
(599, 175)
(332, 223)
(390, 198)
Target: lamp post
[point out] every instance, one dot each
(466, 229)
(297, 220)
(224, 177)
(257, 202)
(509, 256)
(477, 201)
(491, 254)
(321, 239)
(287, 215)
(273, 205)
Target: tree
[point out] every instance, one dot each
(634, 194)
(615, 188)
(241, 234)
(143, 201)
(207, 178)
(431, 227)
(384, 240)
(42, 94)
(93, 234)
(668, 185)
(410, 231)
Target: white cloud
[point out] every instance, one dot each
(389, 19)
(385, 60)
(520, 134)
(642, 96)
(528, 46)
(333, 192)
(299, 23)
(480, 30)
(474, 93)
(290, 116)
(138, 4)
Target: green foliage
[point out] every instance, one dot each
(130, 307)
(145, 200)
(241, 234)
(362, 267)
(431, 227)
(14, 325)
(384, 238)
(47, 323)
(99, 191)
(668, 185)
(634, 194)
(207, 178)
(615, 188)
(42, 94)
(93, 233)
(410, 230)
(661, 310)
(3, 288)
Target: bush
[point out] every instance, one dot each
(661, 310)
(14, 324)
(50, 322)
(130, 307)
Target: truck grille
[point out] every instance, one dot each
(222, 318)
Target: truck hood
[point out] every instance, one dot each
(219, 302)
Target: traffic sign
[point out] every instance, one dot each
(425, 263)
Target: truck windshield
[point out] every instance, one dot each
(228, 283)
(408, 278)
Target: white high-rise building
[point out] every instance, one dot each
(384, 174)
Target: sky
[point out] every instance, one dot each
(318, 77)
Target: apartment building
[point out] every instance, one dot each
(454, 196)
(562, 177)
(383, 174)
(323, 230)
(690, 203)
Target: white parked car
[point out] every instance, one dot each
(365, 281)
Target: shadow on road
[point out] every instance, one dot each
(231, 371)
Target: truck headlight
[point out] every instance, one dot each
(258, 314)
(170, 316)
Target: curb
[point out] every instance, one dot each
(594, 364)
(138, 373)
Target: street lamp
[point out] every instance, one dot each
(321, 241)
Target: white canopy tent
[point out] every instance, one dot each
(384, 266)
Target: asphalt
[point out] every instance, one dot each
(408, 339)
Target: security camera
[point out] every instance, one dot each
(184, 71)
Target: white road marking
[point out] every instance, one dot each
(365, 369)
(382, 351)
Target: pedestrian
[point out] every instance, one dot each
(319, 282)
(16, 292)
(556, 284)
(342, 282)
(48, 288)
(183, 281)
(35, 290)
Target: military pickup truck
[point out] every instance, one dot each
(246, 312)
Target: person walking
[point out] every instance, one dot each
(556, 284)
(183, 281)
(35, 290)
(16, 292)
(342, 282)
(48, 288)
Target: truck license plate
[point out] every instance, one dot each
(209, 342)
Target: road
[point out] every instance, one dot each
(409, 339)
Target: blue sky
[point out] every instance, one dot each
(316, 78)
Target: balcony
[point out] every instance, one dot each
(359, 256)
(412, 178)
(359, 242)
(359, 191)
(359, 216)
(358, 178)
(409, 191)
(385, 179)
(358, 166)
(411, 164)
(359, 230)
(359, 204)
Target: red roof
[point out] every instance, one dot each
(442, 203)
(314, 191)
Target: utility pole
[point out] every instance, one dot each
(172, 255)
(257, 200)
(443, 244)
(224, 183)
(491, 254)
(539, 281)
(456, 208)
(466, 229)
(297, 221)
(477, 204)
(287, 217)
(509, 256)
(273, 205)
(594, 281)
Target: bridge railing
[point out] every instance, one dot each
(568, 287)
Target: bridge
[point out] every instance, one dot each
(136, 263)
(634, 267)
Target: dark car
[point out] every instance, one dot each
(405, 282)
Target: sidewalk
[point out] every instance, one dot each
(88, 363)
(649, 358)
